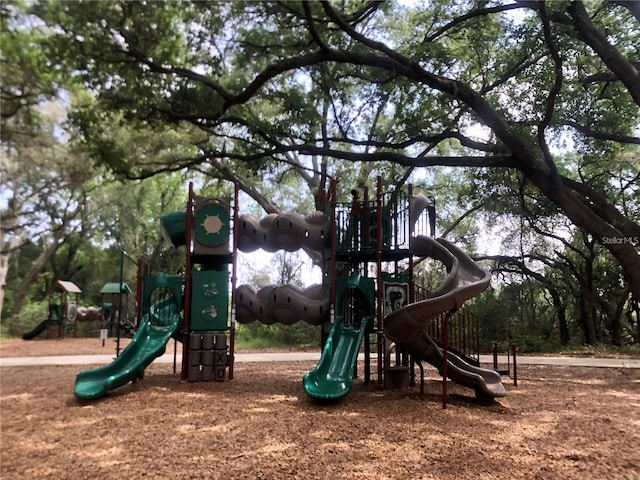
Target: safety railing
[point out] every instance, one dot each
(463, 329)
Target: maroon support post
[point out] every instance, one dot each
(379, 292)
(234, 281)
(187, 284)
(445, 345)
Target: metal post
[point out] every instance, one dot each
(421, 367)
(234, 280)
(412, 281)
(139, 286)
(445, 361)
(120, 302)
(123, 255)
(367, 358)
(380, 293)
(187, 284)
(514, 350)
(445, 345)
(333, 267)
(495, 355)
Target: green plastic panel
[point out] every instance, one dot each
(211, 223)
(173, 227)
(209, 300)
(365, 285)
(173, 283)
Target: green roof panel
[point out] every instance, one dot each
(114, 287)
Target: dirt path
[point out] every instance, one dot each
(560, 423)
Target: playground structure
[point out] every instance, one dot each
(366, 250)
(116, 311)
(63, 312)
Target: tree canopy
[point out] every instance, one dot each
(524, 114)
(294, 81)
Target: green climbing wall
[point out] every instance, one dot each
(210, 300)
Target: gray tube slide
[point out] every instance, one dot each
(285, 304)
(406, 326)
(289, 231)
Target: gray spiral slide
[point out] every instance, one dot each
(406, 326)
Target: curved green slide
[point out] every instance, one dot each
(41, 327)
(332, 378)
(148, 343)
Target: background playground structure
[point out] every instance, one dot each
(365, 250)
(117, 314)
(64, 312)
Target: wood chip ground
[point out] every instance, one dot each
(559, 423)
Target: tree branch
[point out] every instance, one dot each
(631, 5)
(625, 70)
(480, 12)
(553, 93)
(587, 132)
(466, 214)
(603, 207)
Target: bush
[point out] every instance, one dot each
(88, 329)
(257, 335)
(29, 317)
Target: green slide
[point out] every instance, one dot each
(42, 326)
(332, 378)
(148, 343)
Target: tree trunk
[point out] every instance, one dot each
(565, 336)
(634, 310)
(615, 313)
(35, 270)
(561, 313)
(588, 318)
(5, 257)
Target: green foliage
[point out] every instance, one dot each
(25, 72)
(88, 330)
(257, 336)
(29, 317)
(279, 95)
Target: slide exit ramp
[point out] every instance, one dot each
(148, 343)
(41, 327)
(332, 378)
